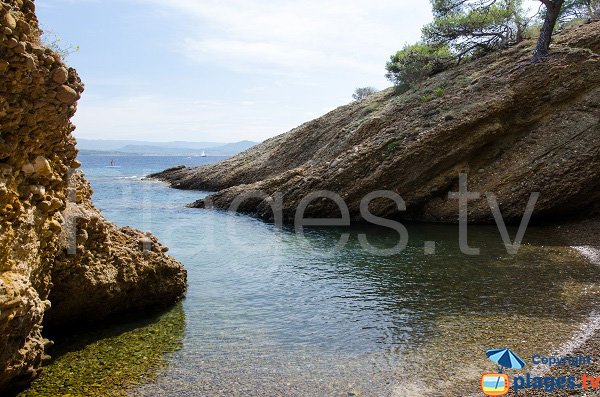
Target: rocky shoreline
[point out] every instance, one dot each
(61, 263)
(513, 125)
(586, 342)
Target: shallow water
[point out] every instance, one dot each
(271, 313)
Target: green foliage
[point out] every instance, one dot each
(363, 92)
(431, 95)
(54, 42)
(391, 147)
(370, 108)
(411, 65)
(471, 28)
(426, 98)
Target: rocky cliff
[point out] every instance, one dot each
(514, 126)
(60, 261)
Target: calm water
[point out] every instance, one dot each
(269, 313)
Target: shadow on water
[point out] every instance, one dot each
(533, 282)
(111, 358)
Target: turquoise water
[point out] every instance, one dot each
(270, 313)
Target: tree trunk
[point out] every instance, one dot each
(553, 8)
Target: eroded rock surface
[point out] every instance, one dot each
(110, 272)
(106, 269)
(514, 126)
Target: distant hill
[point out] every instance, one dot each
(176, 148)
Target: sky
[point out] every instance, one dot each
(223, 70)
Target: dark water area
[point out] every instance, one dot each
(269, 312)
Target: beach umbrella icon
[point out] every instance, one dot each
(505, 358)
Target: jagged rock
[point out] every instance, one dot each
(108, 273)
(30, 62)
(145, 244)
(514, 126)
(5, 170)
(55, 226)
(112, 270)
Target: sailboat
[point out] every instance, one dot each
(203, 154)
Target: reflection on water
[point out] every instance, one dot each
(270, 313)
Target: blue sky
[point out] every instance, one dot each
(229, 70)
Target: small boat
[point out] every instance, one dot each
(203, 154)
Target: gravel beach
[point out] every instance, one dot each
(584, 237)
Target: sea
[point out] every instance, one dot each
(270, 312)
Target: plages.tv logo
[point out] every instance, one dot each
(498, 384)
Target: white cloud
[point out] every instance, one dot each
(272, 65)
(291, 37)
(157, 118)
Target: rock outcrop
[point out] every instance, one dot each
(106, 269)
(101, 269)
(514, 126)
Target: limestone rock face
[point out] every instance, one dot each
(108, 272)
(106, 269)
(514, 126)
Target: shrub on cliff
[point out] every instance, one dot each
(472, 27)
(463, 29)
(475, 27)
(53, 41)
(363, 92)
(409, 66)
